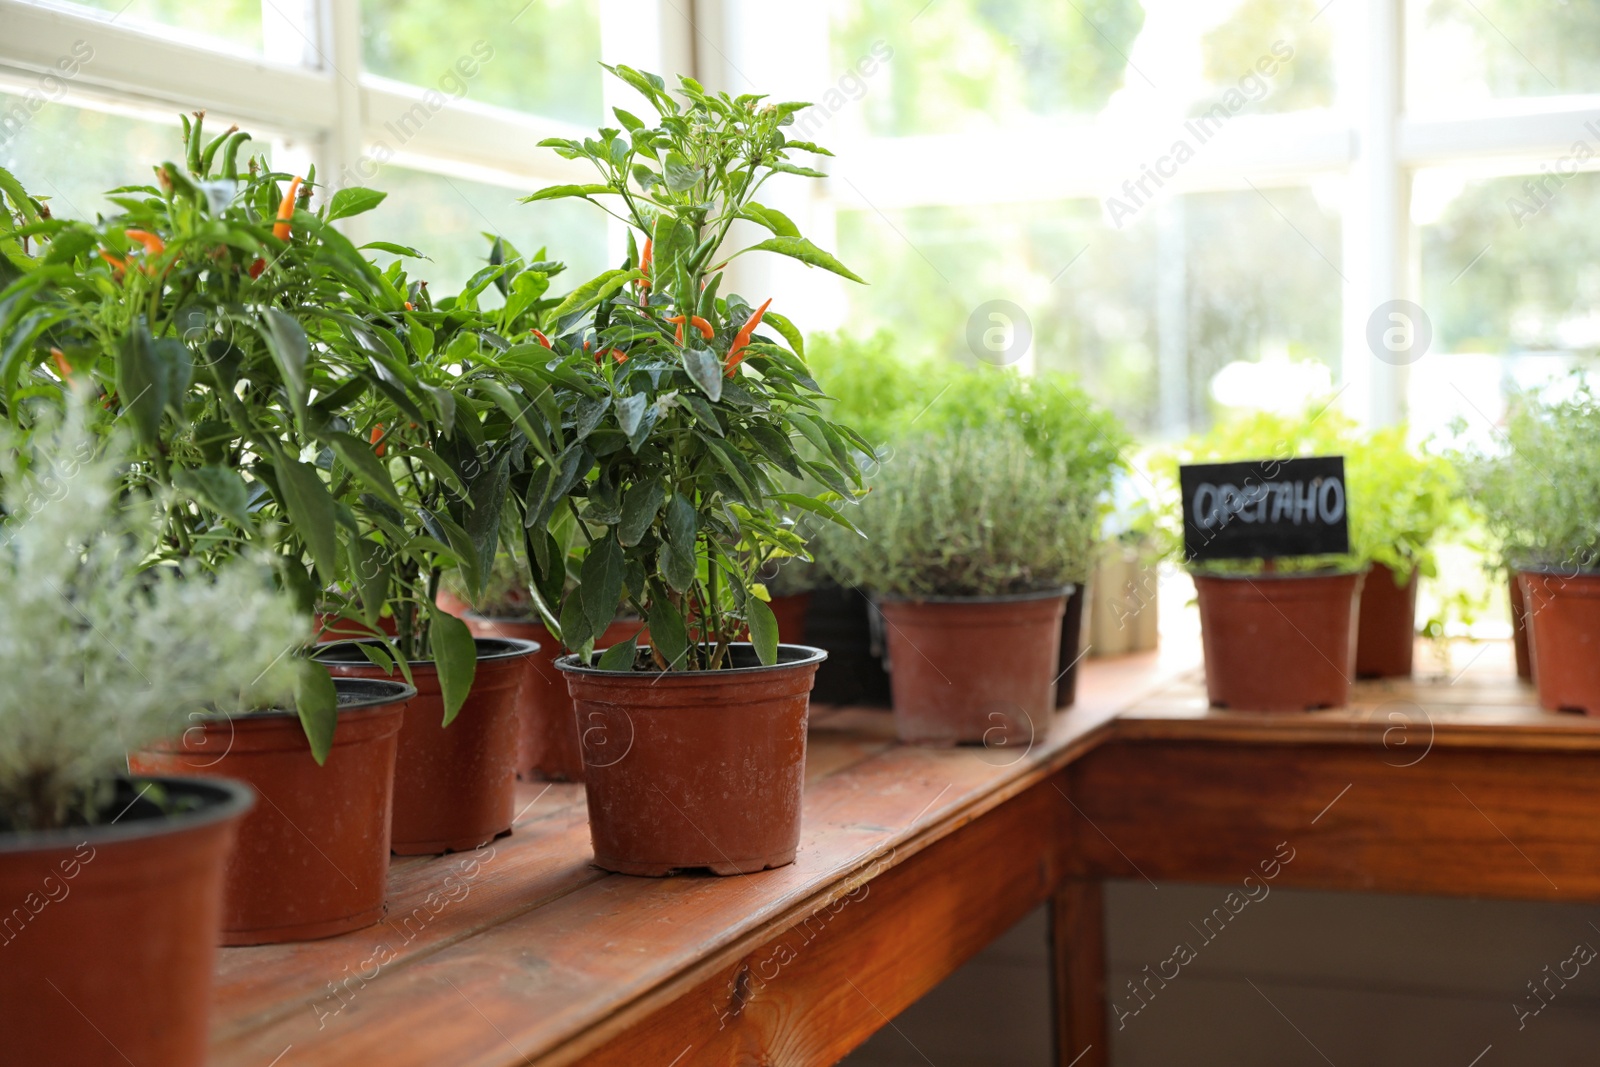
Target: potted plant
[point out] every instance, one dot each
(113, 654)
(682, 420)
(548, 728)
(1545, 518)
(972, 544)
(205, 293)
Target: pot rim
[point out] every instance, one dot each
(1278, 576)
(1554, 570)
(518, 647)
(1004, 598)
(227, 799)
(807, 656)
(398, 694)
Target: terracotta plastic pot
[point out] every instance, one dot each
(791, 612)
(1386, 631)
(449, 602)
(312, 858)
(110, 933)
(695, 769)
(1519, 630)
(1278, 642)
(1563, 615)
(974, 669)
(547, 725)
(1072, 650)
(454, 786)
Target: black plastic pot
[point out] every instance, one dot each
(845, 625)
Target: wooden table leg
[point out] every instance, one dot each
(1078, 972)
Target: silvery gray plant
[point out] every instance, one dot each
(106, 654)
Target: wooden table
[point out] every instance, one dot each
(913, 859)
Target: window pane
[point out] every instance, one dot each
(1463, 52)
(1202, 294)
(440, 215)
(231, 24)
(539, 56)
(958, 65)
(72, 156)
(1509, 284)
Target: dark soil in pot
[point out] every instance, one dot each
(1278, 642)
(968, 670)
(1519, 630)
(695, 769)
(108, 943)
(1563, 617)
(454, 786)
(547, 724)
(1072, 650)
(1386, 631)
(845, 625)
(312, 857)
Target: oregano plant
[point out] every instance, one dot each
(685, 427)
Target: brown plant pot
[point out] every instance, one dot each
(1563, 617)
(312, 858)
(791, 613)
(547, 725)
(1278, 642)
(696, 768)
(1386, 631)
(1072, 650)
(450, 603)
(974, 669)
(109, 939)
(454, 786)
(1519, 630)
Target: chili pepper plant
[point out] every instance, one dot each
(682, 417)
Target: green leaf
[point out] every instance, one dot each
(600, 583)
(557, 192)
(639, 507)
(290, 350)
(681, 175)
(220, 488)
(311, 513)
(593, 291)
(620, 657)
(141, 385)
(804, 172)
(317, 703)
(353, 201)
(790, 332)
(370, 562)
(455, 654)
(359, 457)
(706, 371)
(763, 629)
(668, 634)
(806, 252)
(630, 411)
(773, 219)
(393, 249)
(575, 629)
(677, 565)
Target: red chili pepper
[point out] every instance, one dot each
(256, 268)
(680, 320)
(61, 364)
(376, 436)
(280, 229)
(542, 338)
(736, 353)
(153, 245)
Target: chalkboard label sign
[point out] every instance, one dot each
(1264, 509)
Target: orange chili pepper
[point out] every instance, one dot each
(409, 307)
(735, 353)
(645, 261)
(703, 326)
(153, 245)
(121, 265)
(619, 356)
(680, 320)
(375, 437)
(542, 338)
(61, 364)
(280, 229)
